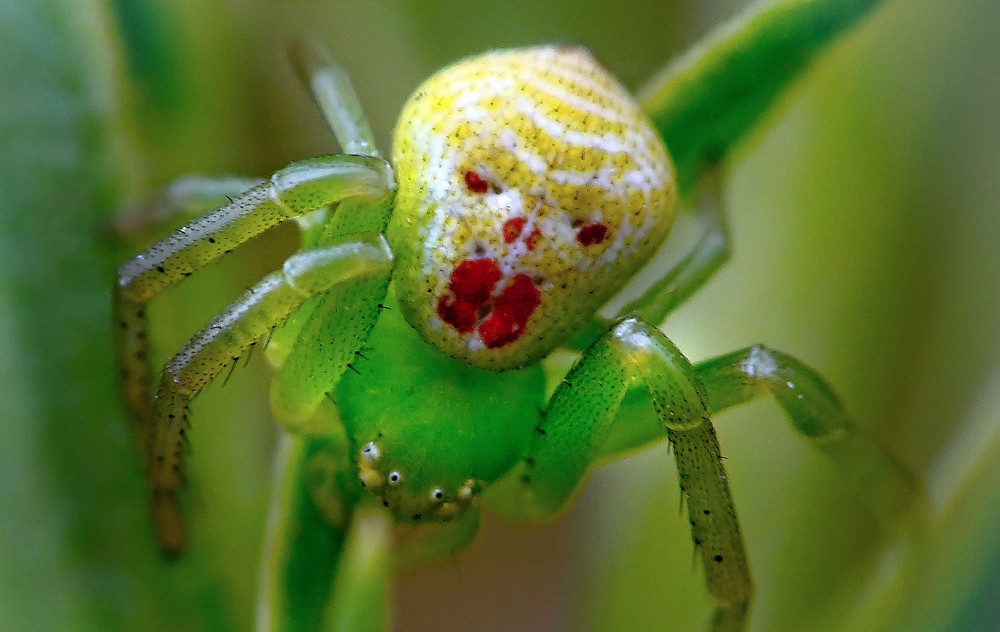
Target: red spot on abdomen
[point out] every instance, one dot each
(471, 283)
(503, 317)
(510, 313)
(475, 183)
(592, 234)
(532, 240)
(512, 229)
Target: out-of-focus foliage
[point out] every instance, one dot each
(865, 223)
(74, 549)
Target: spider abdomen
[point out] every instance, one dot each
(530, 189)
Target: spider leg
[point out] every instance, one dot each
(186, 197)
(580, 415)
(227, 337)
(320, 342)
(596, 413)
(325, 345)
(291, 192)
(891, 492)
(332, 90)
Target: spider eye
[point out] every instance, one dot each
(437, 494)
(467, 490)
(371, 452)
(395, 478)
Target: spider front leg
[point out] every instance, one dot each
(228, 336)
(594, 414)
(581, 416)
(296, 190)
(291, 192)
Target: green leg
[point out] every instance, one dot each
(291, 192)
(342, 318)
(891, 493)
(579, 417)
(227, 337)
(185, 198)
(332, 90)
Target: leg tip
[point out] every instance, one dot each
(168, 525)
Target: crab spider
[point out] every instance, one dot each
(525, 189)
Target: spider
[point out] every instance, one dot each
(411, 330)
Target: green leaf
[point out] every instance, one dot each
(76, 552)
(707, 100)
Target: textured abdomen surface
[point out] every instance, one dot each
(530, 189)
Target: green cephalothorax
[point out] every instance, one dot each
(428, 431)
(526, 188)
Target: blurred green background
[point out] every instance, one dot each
(865, 238)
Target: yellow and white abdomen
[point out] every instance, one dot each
(531, 187)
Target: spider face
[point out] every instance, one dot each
(395, 493)
(427, 431)
(530, 188)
